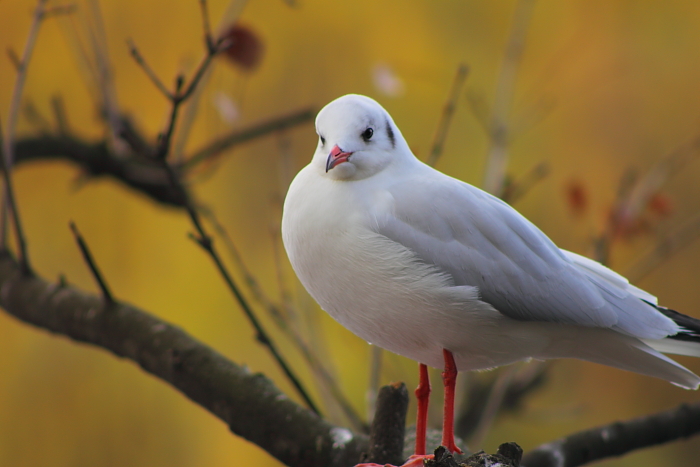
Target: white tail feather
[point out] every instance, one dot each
(676, 347)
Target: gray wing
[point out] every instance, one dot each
(481, 241)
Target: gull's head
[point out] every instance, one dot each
(357, 138)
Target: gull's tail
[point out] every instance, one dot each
(643, 356)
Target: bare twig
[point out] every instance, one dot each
(493, 404)
(635, 192)
(601, 244)
(180, 96)
(59, 10)
(90, 261)
(447, 112)
(22, 64)
(40, 13)
(14, 58)
(13, 113)
(230, 16)
(206, 27)
(140, 61)
(35, 118)
(375, 372)
(323, 375)
(664, 249)
(89, 43)
(617, 439)
(529, 378)
(206, 242)
(499, 133)
(59, 112)
(660, 173)
(10, 203)
(516, 189)
(235, 137)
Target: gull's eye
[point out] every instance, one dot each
(323, 140)
(367, 134)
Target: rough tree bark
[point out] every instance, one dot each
(248, 403)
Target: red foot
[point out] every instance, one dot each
(449, 378)
(413, 461)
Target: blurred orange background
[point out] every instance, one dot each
(602, 87)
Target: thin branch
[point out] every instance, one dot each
(664, 249)
(90, 261)
(247, 402)
(181, 93)
(657, 176)
(236, 137)
(180, 96)
(59, 10)
(36, 119)
(635, 192)
(516, 189)
(140, 61)
(206, 26)
(13, 115)
(528, 379)
(22, 66)
(206, 242)
(447, 112)
(311, 358)
(493, 404)
(14, 58)
(202, 238)
(498, 131)
(375, 371)
(10, 203)
(59, 113)
(617, 439)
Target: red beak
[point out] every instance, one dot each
(337, 156)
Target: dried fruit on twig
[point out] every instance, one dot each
(576, 197)
(660, 204)
(246, 49)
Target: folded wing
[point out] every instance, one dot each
(481, 241)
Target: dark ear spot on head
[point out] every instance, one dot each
(390, 134)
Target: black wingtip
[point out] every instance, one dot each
(690, 327)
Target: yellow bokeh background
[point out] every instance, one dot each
(602, 87)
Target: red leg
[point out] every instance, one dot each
(449, 378)
(423, 397)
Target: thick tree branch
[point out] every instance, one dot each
(143, 174)
(248, 403)
(96, 159)
(617, 439)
